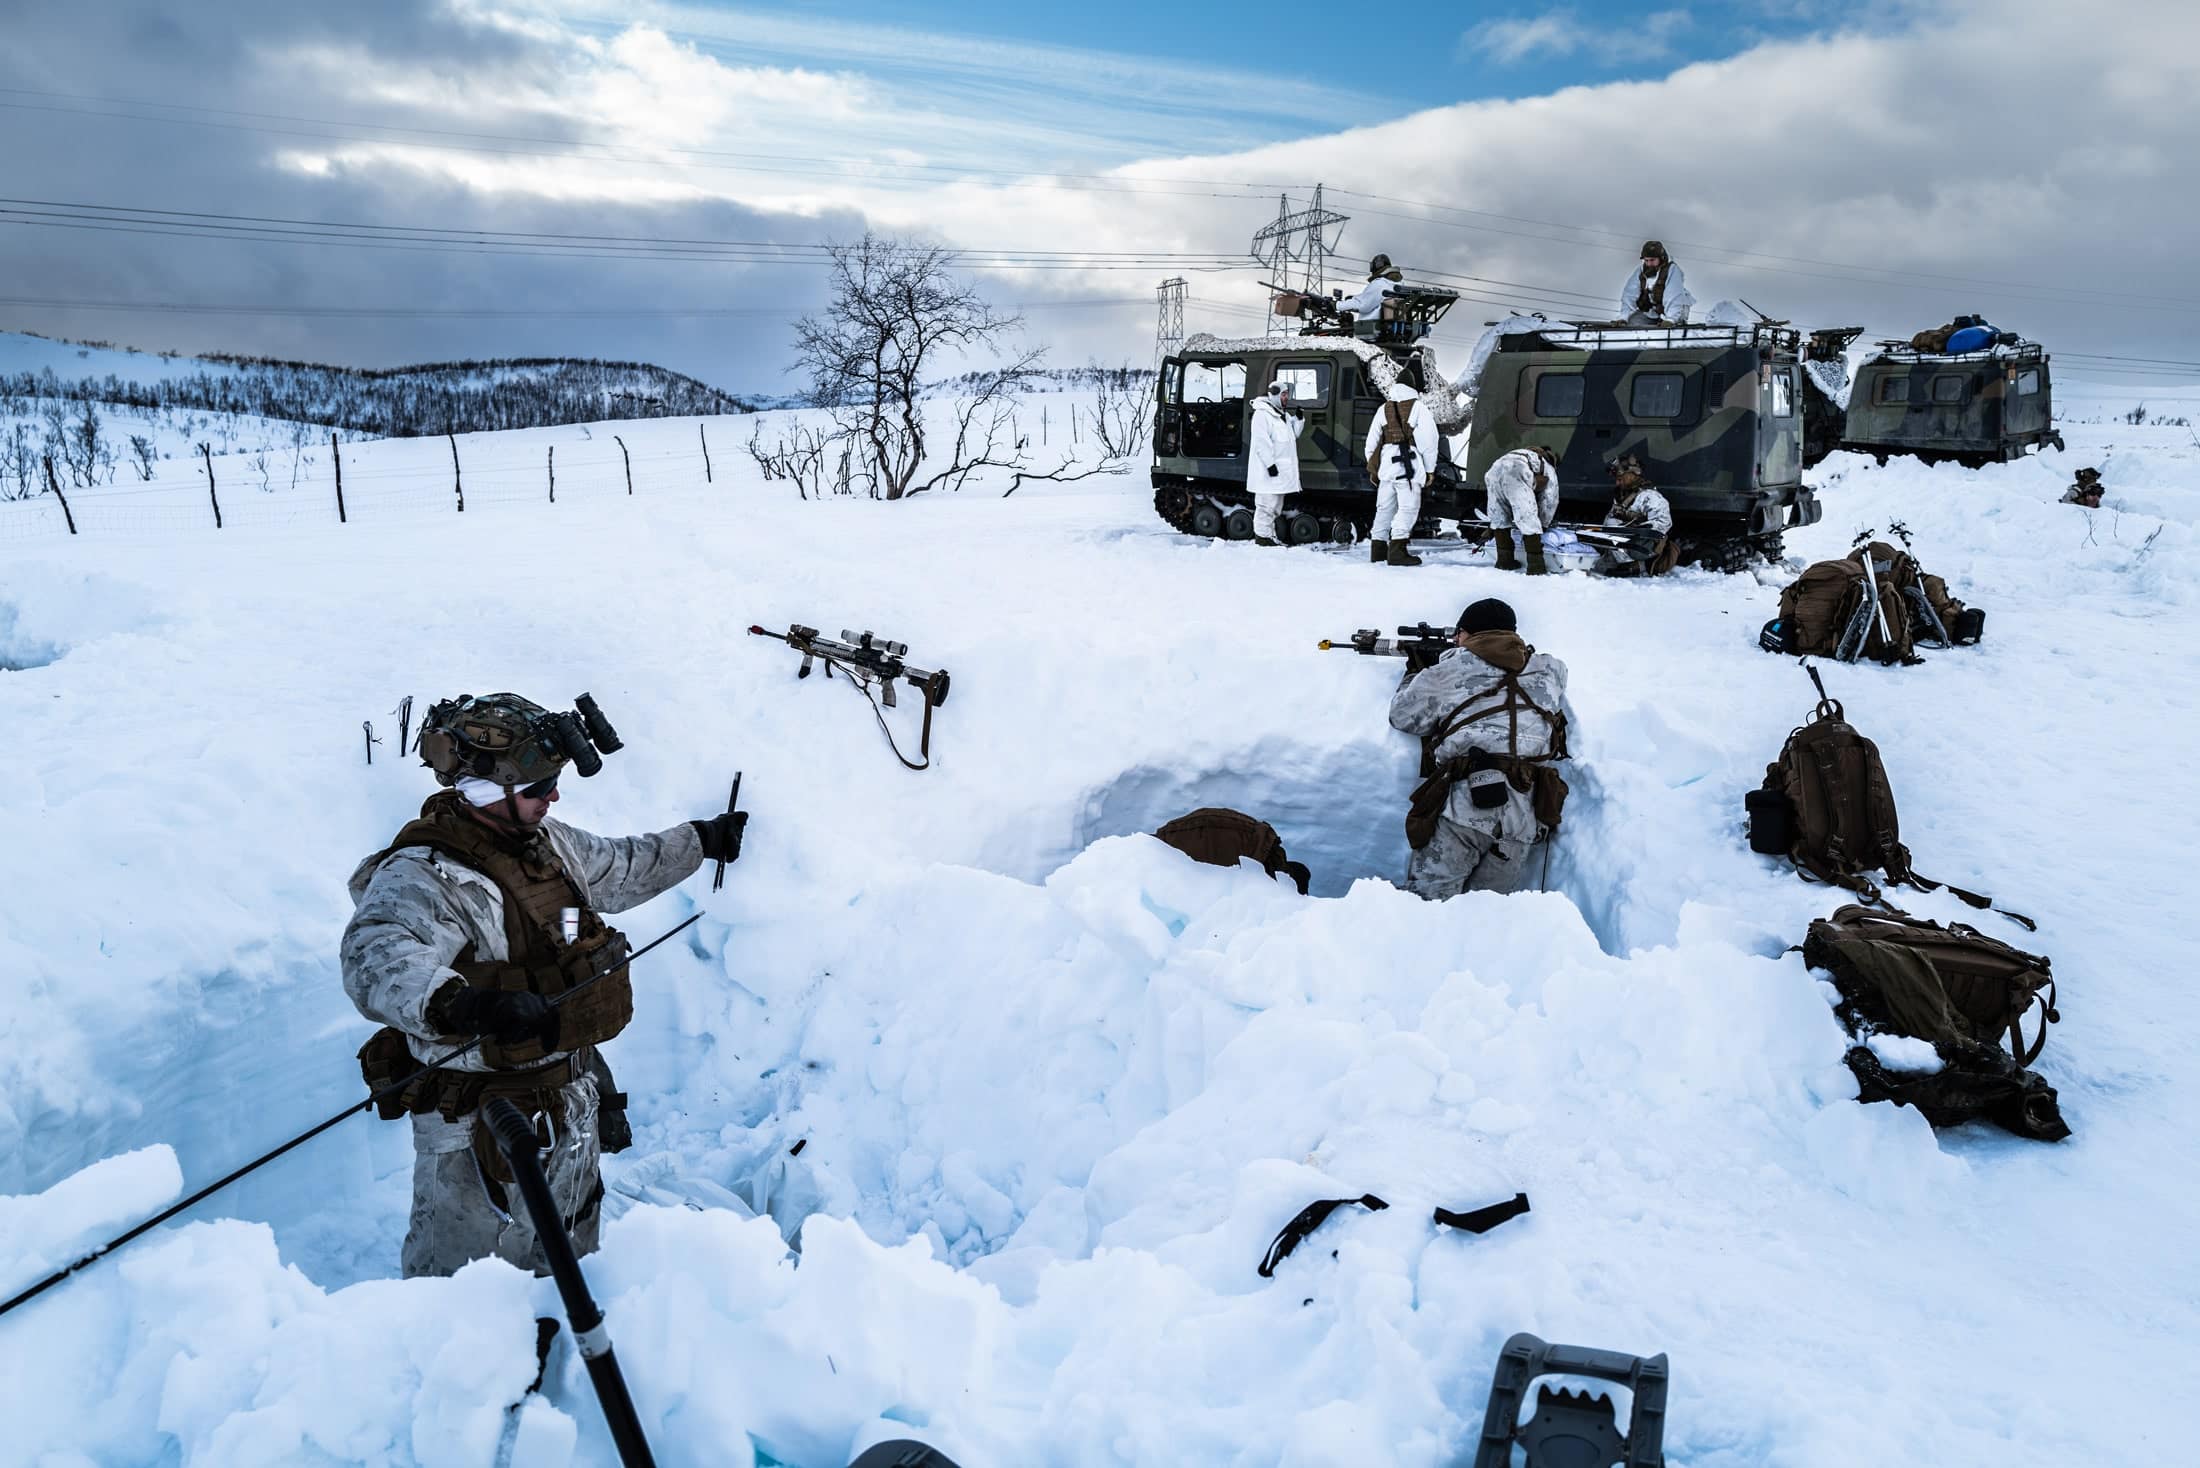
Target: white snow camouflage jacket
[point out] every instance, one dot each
(1648, 510)
(1275, 447)
(1514, 499)
(1368, 300)
(1677, 299)
(416, 908)
(1422, 425)
(1425, 700)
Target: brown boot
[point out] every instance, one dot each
(1534, 545)
(1401, 554)
(1506, 560)
(1264, 540)
(1378, 551)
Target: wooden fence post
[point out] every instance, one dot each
(207, 452)
(627, 460)
(706, 451)
(54, 484)
(338, 454)
(553, 462)
(458, 485)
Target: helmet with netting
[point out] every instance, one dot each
(498, 737)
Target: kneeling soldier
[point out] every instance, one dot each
(1491, 714)
(470, 923)
(1639, 508)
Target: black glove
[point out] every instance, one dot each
(721, 835)
(1272, 471)
(508, 1017)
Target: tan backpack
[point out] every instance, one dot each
(1221, 838)
(1830, 612)
(1957, 989)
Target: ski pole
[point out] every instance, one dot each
(314, 1131)
(515, 1137)
(733, 803)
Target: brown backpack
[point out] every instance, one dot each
(1397, 429)
(1959, 990)
(1826, 805)
(1221, 838)
(1932, 614)
(1829, 612)
(1934, 339)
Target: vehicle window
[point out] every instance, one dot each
(1309, 382)
(1655, 395)
(1558, 395)
(1172, 382)
(2028, 381)
(1213, 382)
(1894, 389)
(1948, 388)
(1783, 394)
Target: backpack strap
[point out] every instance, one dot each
(1309, 1218)
(1296, 870)
(1979, 900)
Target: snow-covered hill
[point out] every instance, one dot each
(1056, 1088)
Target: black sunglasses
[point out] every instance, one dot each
(541, 789)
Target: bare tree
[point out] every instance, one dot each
(141, 454)
(1122, 414)
(895, 317)
(800, 456)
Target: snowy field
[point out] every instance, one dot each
(1057, 1086)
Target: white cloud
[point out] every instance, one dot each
(1562, 33)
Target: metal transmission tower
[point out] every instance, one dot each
(1168, 332)
(1300, 240)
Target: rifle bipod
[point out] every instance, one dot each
(618, 958)
(863, 660)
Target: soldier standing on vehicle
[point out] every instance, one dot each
(1401, 454)
(1492, 717)
(1522, 487)
(1656, 293)
(1368, 301)
(468, 924)
(2087, 491)
(1640, 509)
(1272, 471)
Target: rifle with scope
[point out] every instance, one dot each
(1420, 644)
(865, 659)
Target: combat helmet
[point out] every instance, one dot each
(1381, 266)
(1653, 250)
(511, 741)
(1627, 469)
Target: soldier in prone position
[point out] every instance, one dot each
(2086, 490)
(1492, 717)
(468, 924)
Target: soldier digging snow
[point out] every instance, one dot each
(1401, 452)
(2087, 491)
(1492, 718)
(1273, 467)
(1522, 487)
(1656, 292)
(1640, 509)
(468, 924)
(1367, 303)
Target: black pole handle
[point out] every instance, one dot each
(515, 1137)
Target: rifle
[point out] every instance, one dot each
(864, 659)
(1420, 644)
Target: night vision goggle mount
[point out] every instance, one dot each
(510, 740)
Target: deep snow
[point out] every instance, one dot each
(1057, 1086)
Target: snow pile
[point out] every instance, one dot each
(1045, 1089)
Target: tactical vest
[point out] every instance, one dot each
(1530, 774)
(1397, 429)
(536, 890)
(1650, 297)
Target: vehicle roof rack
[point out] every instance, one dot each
(2003, 351)
(1592, 335)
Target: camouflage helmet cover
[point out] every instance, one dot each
(2089, 474)
(1653, 250)
(498, 737)
(1627, 468)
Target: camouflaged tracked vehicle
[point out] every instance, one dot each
(1971, 408)
(1339, 378)
(1714, 412)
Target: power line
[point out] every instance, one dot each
(484, 313)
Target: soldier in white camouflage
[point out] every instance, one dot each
(1492, 716)
(1639, 509)
(477, 916)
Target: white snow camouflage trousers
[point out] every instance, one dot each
(1462, 859)
(460, 1215)
(1265, 509)
(1397, 509)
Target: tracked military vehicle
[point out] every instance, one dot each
(1339, 375)
(1714, 412)
(1972, 408)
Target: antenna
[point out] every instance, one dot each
(1299, 242)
